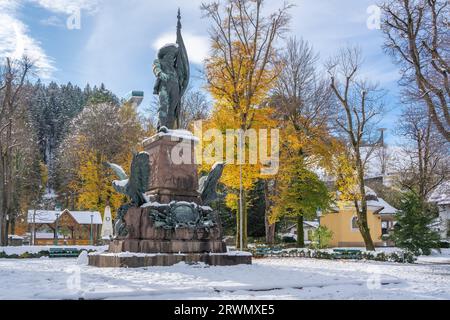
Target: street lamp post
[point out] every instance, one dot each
(33, 234)
(319, 215)
(56, 229)
(92, 237)
(241, 194)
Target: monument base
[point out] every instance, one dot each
(139, 260)
(161, 246)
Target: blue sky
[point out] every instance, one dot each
(117, 39)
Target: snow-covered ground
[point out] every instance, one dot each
(36, 249)
(278, 278)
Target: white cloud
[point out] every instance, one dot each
(67, 6)
(15, 41)
(196, 46)
(119, 50)
(53, 21)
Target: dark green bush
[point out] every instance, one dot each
(287, 239)
(25, 255)
(444, 244)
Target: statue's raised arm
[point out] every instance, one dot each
(182, 66)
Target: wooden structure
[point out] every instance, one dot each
(73, 227)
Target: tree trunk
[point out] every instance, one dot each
(6, 238)
(245, 219)
(237, 230)
(300, 232)
(7, 181)
(2, 230)
(361, 209)
(4, 200)
(365, 232)
(269, 227)
(270, 232)
(12, 226)
(245, 242)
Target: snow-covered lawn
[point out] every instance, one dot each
(37, 249)
(279, 278)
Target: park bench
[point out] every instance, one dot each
(293, 253)
(347, 253)
(262, 252)
(63, 253)
(275, 252)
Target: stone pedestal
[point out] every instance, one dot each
(173, 175)
(174, 226)
(109, 260)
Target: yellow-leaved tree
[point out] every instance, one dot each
(240, 72)
(221, 144)
(95, 187)
(103, 132)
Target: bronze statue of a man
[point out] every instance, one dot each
(171, 69)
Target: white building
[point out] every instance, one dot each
(308, 227)
(441, 197)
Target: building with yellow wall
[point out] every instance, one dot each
(342, 221)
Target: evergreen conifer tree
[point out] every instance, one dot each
(412, 231)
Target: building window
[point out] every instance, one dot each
(355, 223)
(385, 227)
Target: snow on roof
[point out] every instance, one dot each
(313, 224)
(84, 217)
(377, 204)
(441, 196)
(15, 237)
(42, 216)
(49, 216)
(48, 235)
(380, 203)
(370, 192)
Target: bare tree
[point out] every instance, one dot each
(194, 106)
(13, 75)
(418, 36)
(428, 161)
(300, 95)
(303, 101)
(360, 109)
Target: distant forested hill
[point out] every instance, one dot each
(52, 108)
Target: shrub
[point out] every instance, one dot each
(288, 239)
(397, 256)
(444, 244)
(321, 237)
